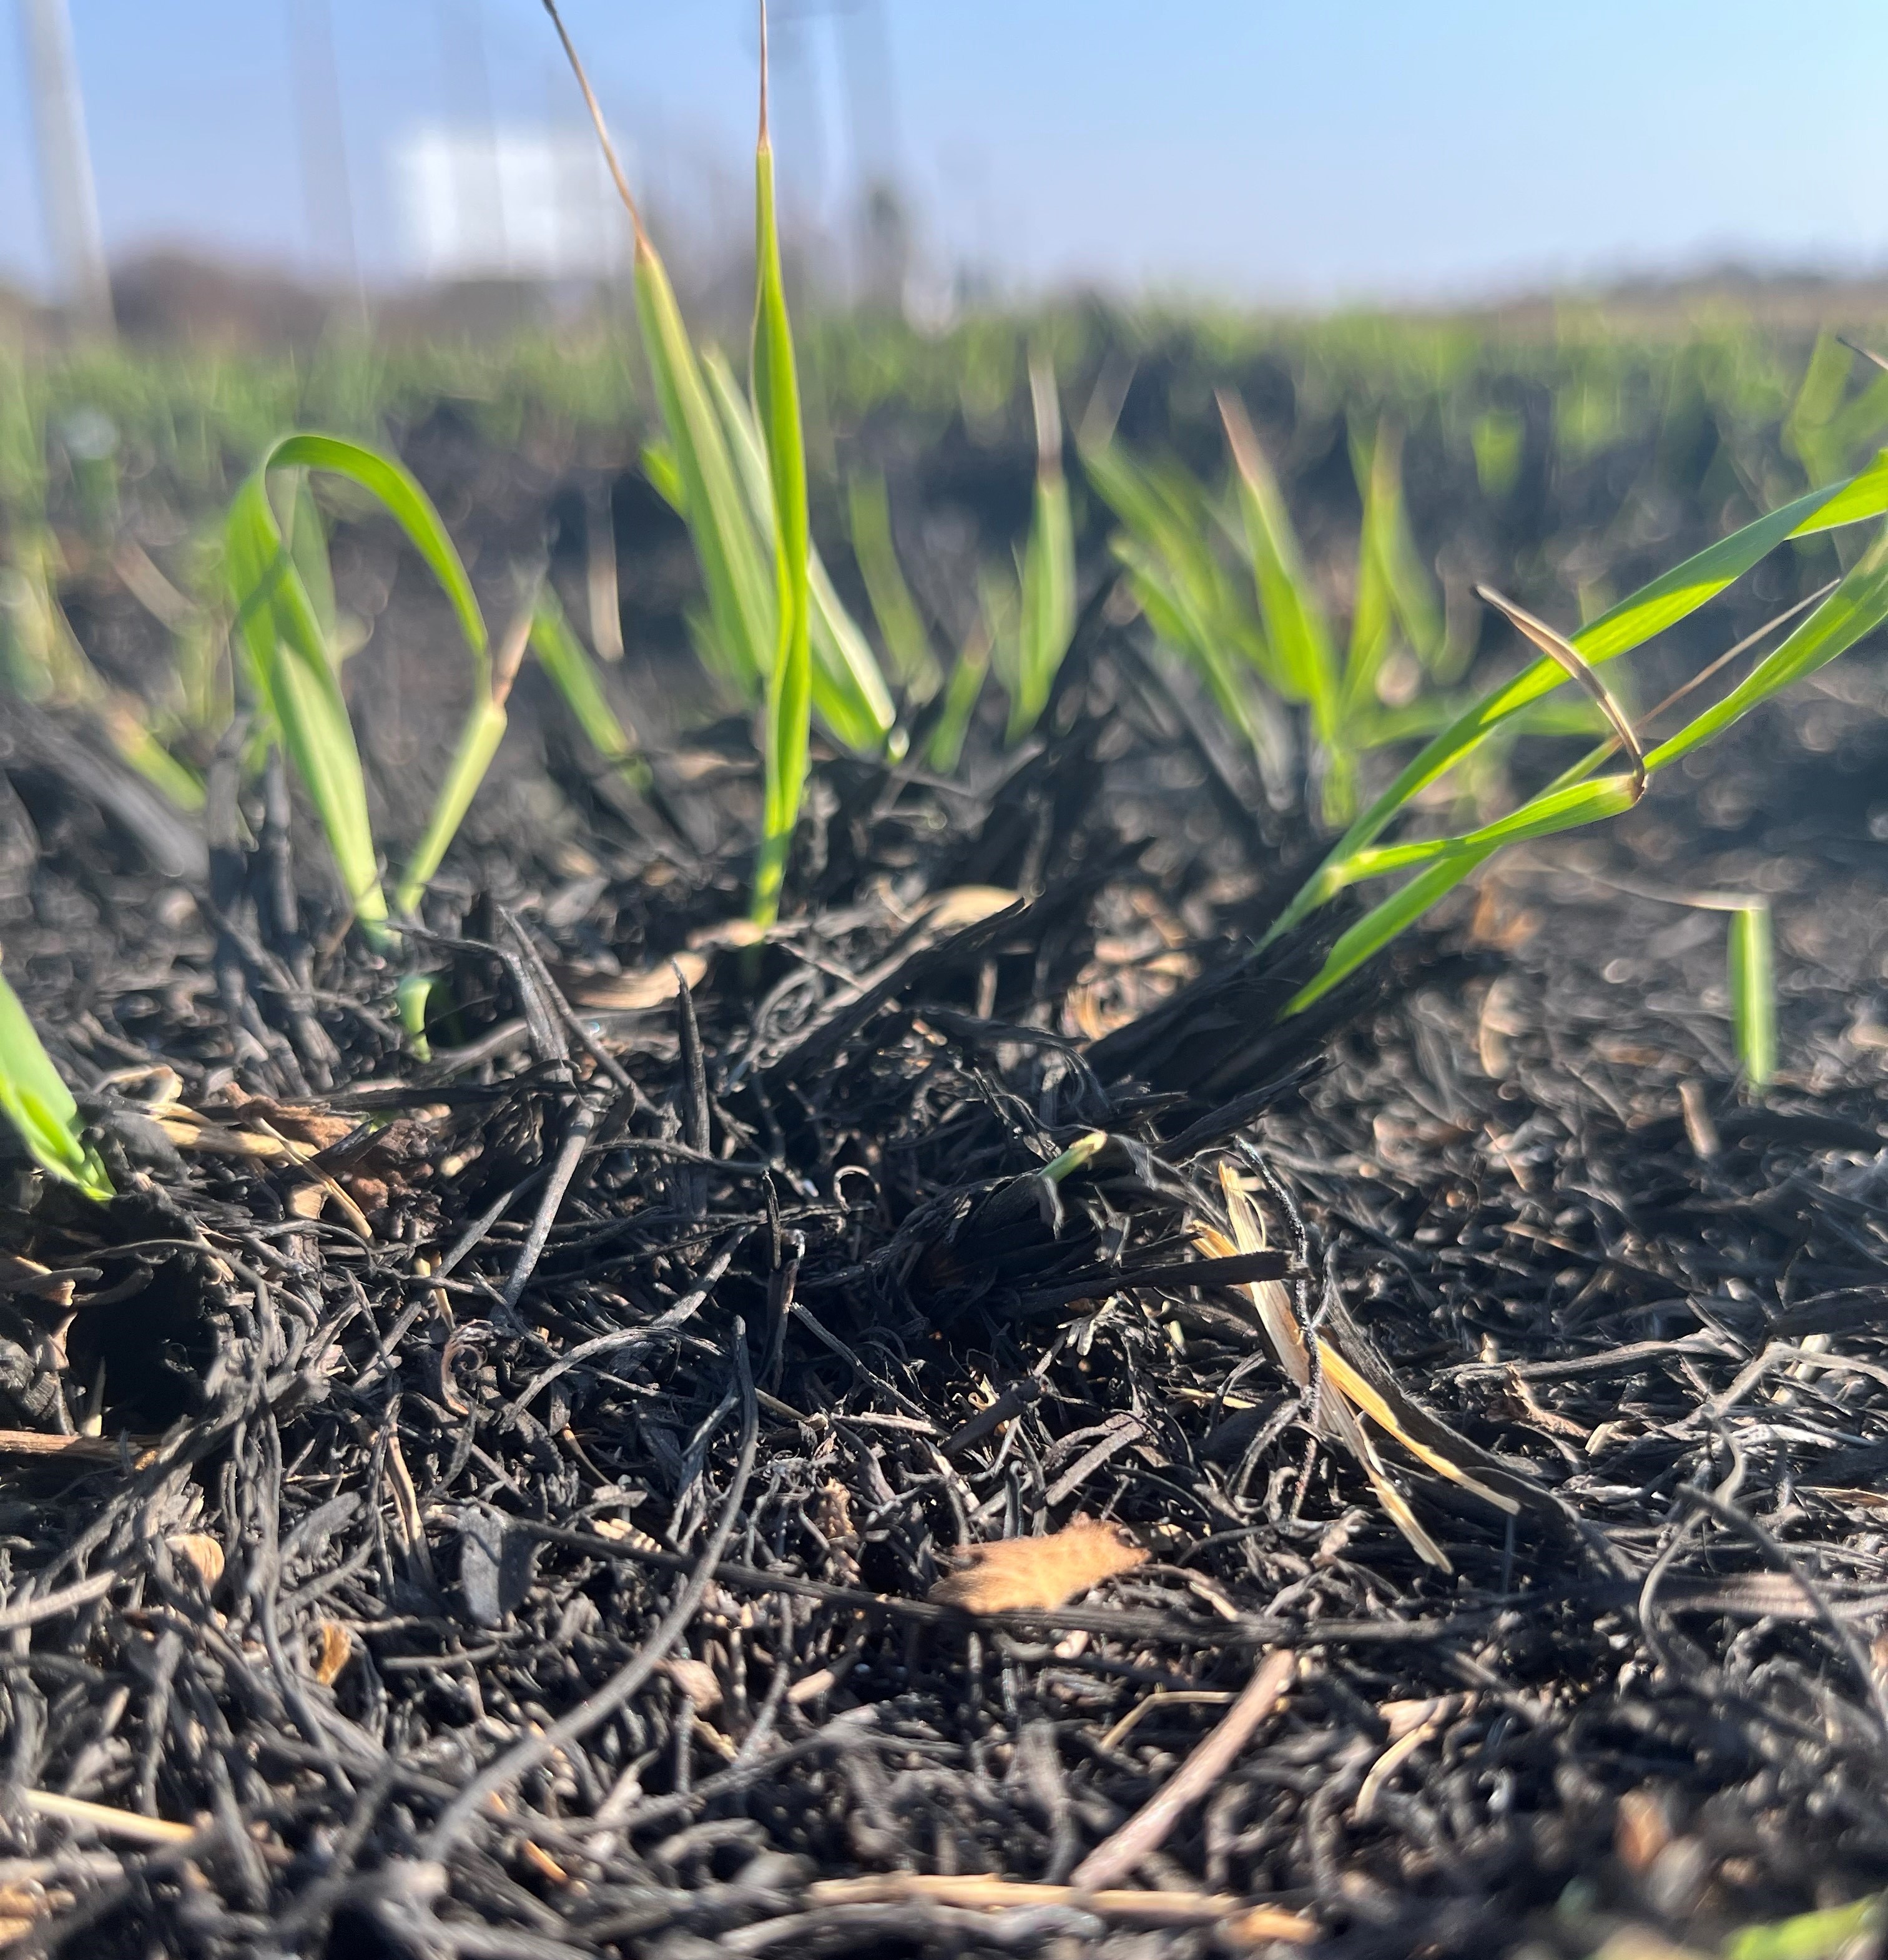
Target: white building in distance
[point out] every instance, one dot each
(512, 202)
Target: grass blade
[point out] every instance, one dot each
(479, 739)
(39, 1106)
(1295, 623)
(850, 695)
(946, 748)
(293, 670)
(1753, 975)
(1047, 621)
(573, 674)
(777, 397)
(901, 626)
(1858, 605)
(740, 605)
(1635, 620)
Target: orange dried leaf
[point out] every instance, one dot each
(203, 1553)
(1041, 1573)
(337, 1644)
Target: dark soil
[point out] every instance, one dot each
(506, 1528)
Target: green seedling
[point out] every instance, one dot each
(293, 670)
(776, 399)
(946, 748)
(1753, 964)
(1857, 604)
(1826, 424)
(40, 1107)
(850, 697)
(894, 610)
(699, 470)
(1046, 624)
(573, 673)
(694, 469)
(413, 995)
(1826, 1935)
(1165, 547)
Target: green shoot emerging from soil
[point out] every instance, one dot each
(39, 1106)
(293, 668)
(802, 650)
(1858, 603)
(776, 395)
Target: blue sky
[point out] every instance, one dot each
(1305, 153)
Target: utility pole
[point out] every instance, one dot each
(66, 191)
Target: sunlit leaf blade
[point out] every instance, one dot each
(1384, 922)
(289, 666)
(1856, 607)
(1752, 976)
(1809, 430)
(39, 1106)
(665, 474)
(850, 695)
(292, 669)
(946, 748)
(1825, 1935)
(573, 673)
(483, 730)
(1295, 622)
(776, 399)
(1193, 607)
(739, 601)
(1635, 620)
(1047, 624)
(901, 626)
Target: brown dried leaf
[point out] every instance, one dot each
(204, 1554)
(697, 1681)
(1041, 1573)
(337, 1647)
(630, 993)
(967, 904)
(1641, 1830)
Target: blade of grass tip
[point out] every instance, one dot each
(777, 396)
(711, 500)
(484, 728)
(1752, 977)
(1569, 658)
(1048, 621)
(561, 655)
(40, 1107)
